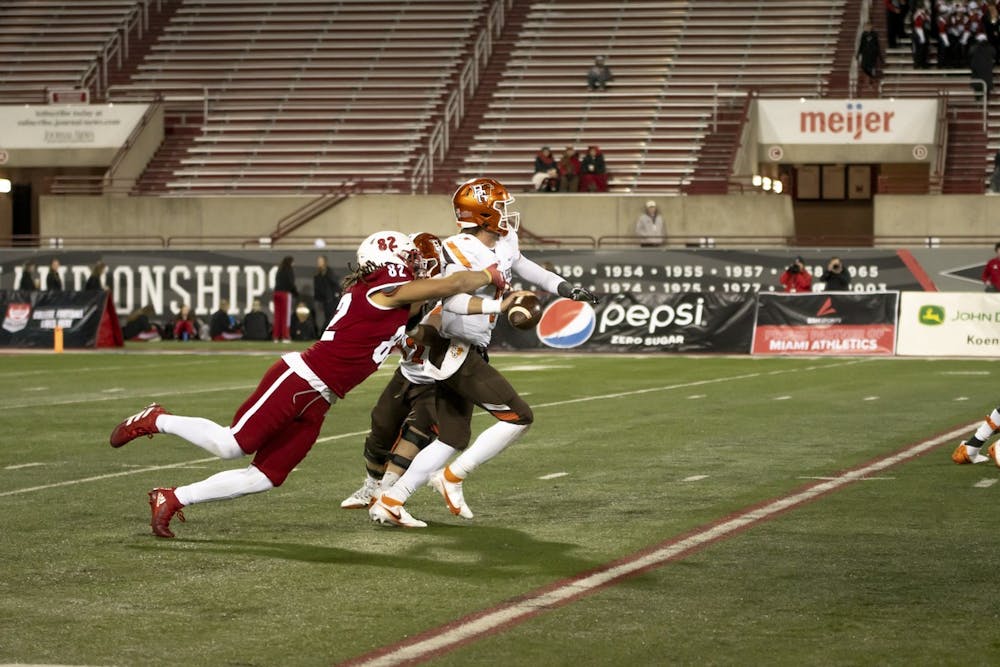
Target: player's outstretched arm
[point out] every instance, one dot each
(439, 288)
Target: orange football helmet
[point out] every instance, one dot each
(484, 202)
(429, 247)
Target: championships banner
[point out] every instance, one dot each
(825, 323)
(692, 322)
(165, 279)
(87, 319)
(949, 324)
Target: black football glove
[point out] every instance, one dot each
(567, 291)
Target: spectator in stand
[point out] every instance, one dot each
(981, 57)
(53, 281)
(995, 176)
(593, 173)
(599, 75)
(29, 280)
(569, 171)
(186, 326)
(945, 47)
(546, 176)
(920, 42)
(255, 324)
(895, 16)
(991, 272)
(836, 277)
(649, 227)
(303, 326)
(326, 292)
(991, 26)
(796, 278)
(870, 55)
(222, 325)
(96, 279)
(139, 325)
(284, 292)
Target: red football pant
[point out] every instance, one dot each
(279, 422)
(282, 316)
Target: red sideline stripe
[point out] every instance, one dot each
(446, 638)
(918, 271)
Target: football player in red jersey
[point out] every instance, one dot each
(281, 419)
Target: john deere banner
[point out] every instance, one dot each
(949, 324)
(693, 322)
(834, 323)
(87, 319)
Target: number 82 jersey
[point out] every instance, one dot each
(361, 334)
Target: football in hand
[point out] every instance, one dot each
(524, 312)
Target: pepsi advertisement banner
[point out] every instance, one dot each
(30, 318)
(692, 322)
(821, 324)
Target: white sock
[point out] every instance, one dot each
(388, 479)
(985, 429)
(490, 442)
(204, 433)
(224, 485)
(427, 461)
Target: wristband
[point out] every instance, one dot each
(490, 306)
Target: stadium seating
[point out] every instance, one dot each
(676, 63)
(305, 95)
(62, 44)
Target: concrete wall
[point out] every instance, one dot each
(944, 215)
(547, 215)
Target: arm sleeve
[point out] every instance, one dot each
(535, 274)
(459, 303)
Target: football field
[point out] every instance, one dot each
(661, 510)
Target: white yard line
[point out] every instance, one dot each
(495, 620)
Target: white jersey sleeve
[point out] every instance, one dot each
(464, 252)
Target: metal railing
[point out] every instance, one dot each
(454, 110)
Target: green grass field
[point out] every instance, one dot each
(895, 569)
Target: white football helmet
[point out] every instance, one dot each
(387, 247)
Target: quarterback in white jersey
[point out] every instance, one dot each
(489, 237)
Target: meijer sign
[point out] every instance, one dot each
(846, 121)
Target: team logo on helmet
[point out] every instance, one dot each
(479, 192)
(566, 323)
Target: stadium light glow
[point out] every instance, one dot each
(756, 180)
(777, 187)
(766, 184)
(4, 186)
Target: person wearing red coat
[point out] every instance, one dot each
(796, 278)
(991, 272)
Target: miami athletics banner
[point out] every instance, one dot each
(826, 323)
(87, 319)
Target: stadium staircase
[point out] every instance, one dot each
(448, 173)
(971, 142)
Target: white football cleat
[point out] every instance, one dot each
(363, 497)
(452, 494)
(393, 514)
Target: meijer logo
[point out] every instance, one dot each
(931, 315)
(854, 122)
